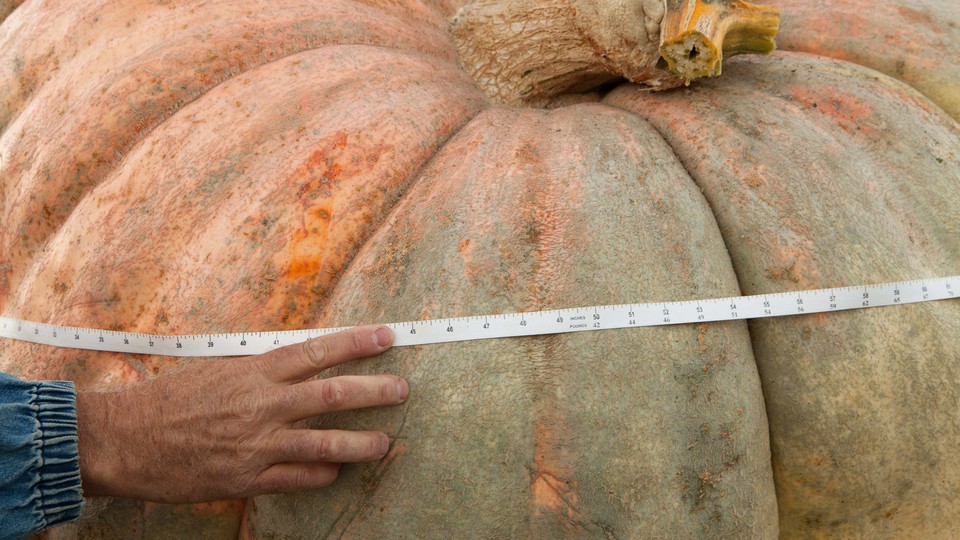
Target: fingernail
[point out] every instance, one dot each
(402, 390)
(382, 337)
(384, 444)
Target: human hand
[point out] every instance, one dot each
(225, 428)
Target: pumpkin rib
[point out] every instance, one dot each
(664, 134)
(73, 195)
(90, 168)
(382, 216)
(162, 188)
(797, 103)
(530, 223)
(804, 210)
(263, 35)
(917, 42)
(385, 216)
(179, 102)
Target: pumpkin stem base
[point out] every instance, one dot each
(532, 52)
(698, 34)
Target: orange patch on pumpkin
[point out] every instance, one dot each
(755, 177)
(702, 338)
(471, 269)
(846, 111)
(306, 256)
(552, 488)
(308, 245)
(914, 16)
(316, 174)
(548, 489)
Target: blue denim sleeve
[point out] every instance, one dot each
(39, 464)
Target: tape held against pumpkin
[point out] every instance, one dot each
(495, 326)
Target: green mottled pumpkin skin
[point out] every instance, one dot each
(240, 166)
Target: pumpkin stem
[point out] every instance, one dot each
(540, 52)
(698, 34)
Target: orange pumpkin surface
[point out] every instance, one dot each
(176, 167)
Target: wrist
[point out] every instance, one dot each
(97, 434)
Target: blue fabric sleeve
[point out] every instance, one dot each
(39, 463)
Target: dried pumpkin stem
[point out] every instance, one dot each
(532, 52)
(698, 34)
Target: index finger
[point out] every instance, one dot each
(295, 363)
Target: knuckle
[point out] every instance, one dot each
(332, 393)
(246, 406)
(286, 399)
(388, 391)
(359, 339)
(262, 367)
(301, 480)
(324, 448)
(294, 449)
(242, 485)
(316, 351)
(247, 449)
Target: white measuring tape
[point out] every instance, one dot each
(476, 327)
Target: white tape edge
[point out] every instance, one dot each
(477, 327)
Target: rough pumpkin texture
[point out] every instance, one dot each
(235, 166)
(861, 405)
(563, 438)
(917, 42)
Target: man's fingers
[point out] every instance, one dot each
(329, 445)
(284, 477)
(313, 398)
(295, 363)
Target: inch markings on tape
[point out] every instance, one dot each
(557, 321)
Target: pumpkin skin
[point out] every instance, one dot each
(917, 42)
(804, 216)
(7, 7)
(368, 180)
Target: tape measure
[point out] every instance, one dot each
(558, 321)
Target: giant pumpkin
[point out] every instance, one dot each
(175, 167)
